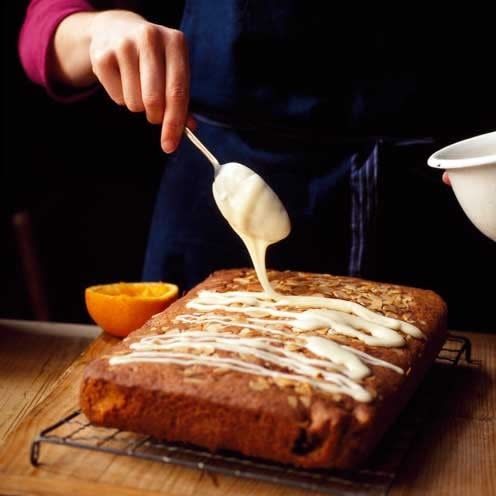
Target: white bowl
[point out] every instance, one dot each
(471, 167)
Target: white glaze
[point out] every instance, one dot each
(282, 344)
(337, 316)
(326, 375)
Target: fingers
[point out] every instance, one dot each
(176, 90)
(127, 58)
(152, 73)
(446, 179)
(106, 69)
(145, 67)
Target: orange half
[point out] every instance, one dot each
(125, 306)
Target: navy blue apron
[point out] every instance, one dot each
(263, 98)
(335, 111)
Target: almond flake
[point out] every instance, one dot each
(193, 380)
(189, 371)
(220, 370)
(293, 401)
(281, 382)
(292, 346)
(259, 384)
(214, 327)
(303, 388)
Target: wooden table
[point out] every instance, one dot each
(32, 357)
(454, 455)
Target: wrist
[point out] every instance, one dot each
(69, 60)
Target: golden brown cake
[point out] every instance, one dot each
(240, 377)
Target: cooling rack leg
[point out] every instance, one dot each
(35, 453)
(468, 350)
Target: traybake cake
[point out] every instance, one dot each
(312, 381)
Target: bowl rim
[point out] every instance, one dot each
(445, 163)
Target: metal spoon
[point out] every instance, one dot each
(215, 163)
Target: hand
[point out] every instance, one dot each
(446, 179)
(143, 66)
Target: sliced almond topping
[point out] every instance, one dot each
(281, 382)
(193, 380)
(259, 384)
(190, 371)
(220, 370)
(376, 302)
(293, 401)
(292, 346)
(303, 388)
(214, 327)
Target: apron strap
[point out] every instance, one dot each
(364, 202)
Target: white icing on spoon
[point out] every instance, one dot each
(254, 212)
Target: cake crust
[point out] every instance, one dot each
(259, 417)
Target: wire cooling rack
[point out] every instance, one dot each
(75, 431)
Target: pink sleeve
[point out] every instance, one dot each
(42, 19)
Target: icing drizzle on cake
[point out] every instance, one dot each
(276, 336)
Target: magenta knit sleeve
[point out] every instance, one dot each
(42, 19)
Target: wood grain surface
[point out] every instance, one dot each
(454, 453)
(32, 357)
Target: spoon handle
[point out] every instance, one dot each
(203, 149)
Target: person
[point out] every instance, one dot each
(336, 109)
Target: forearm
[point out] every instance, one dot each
(69, 61)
